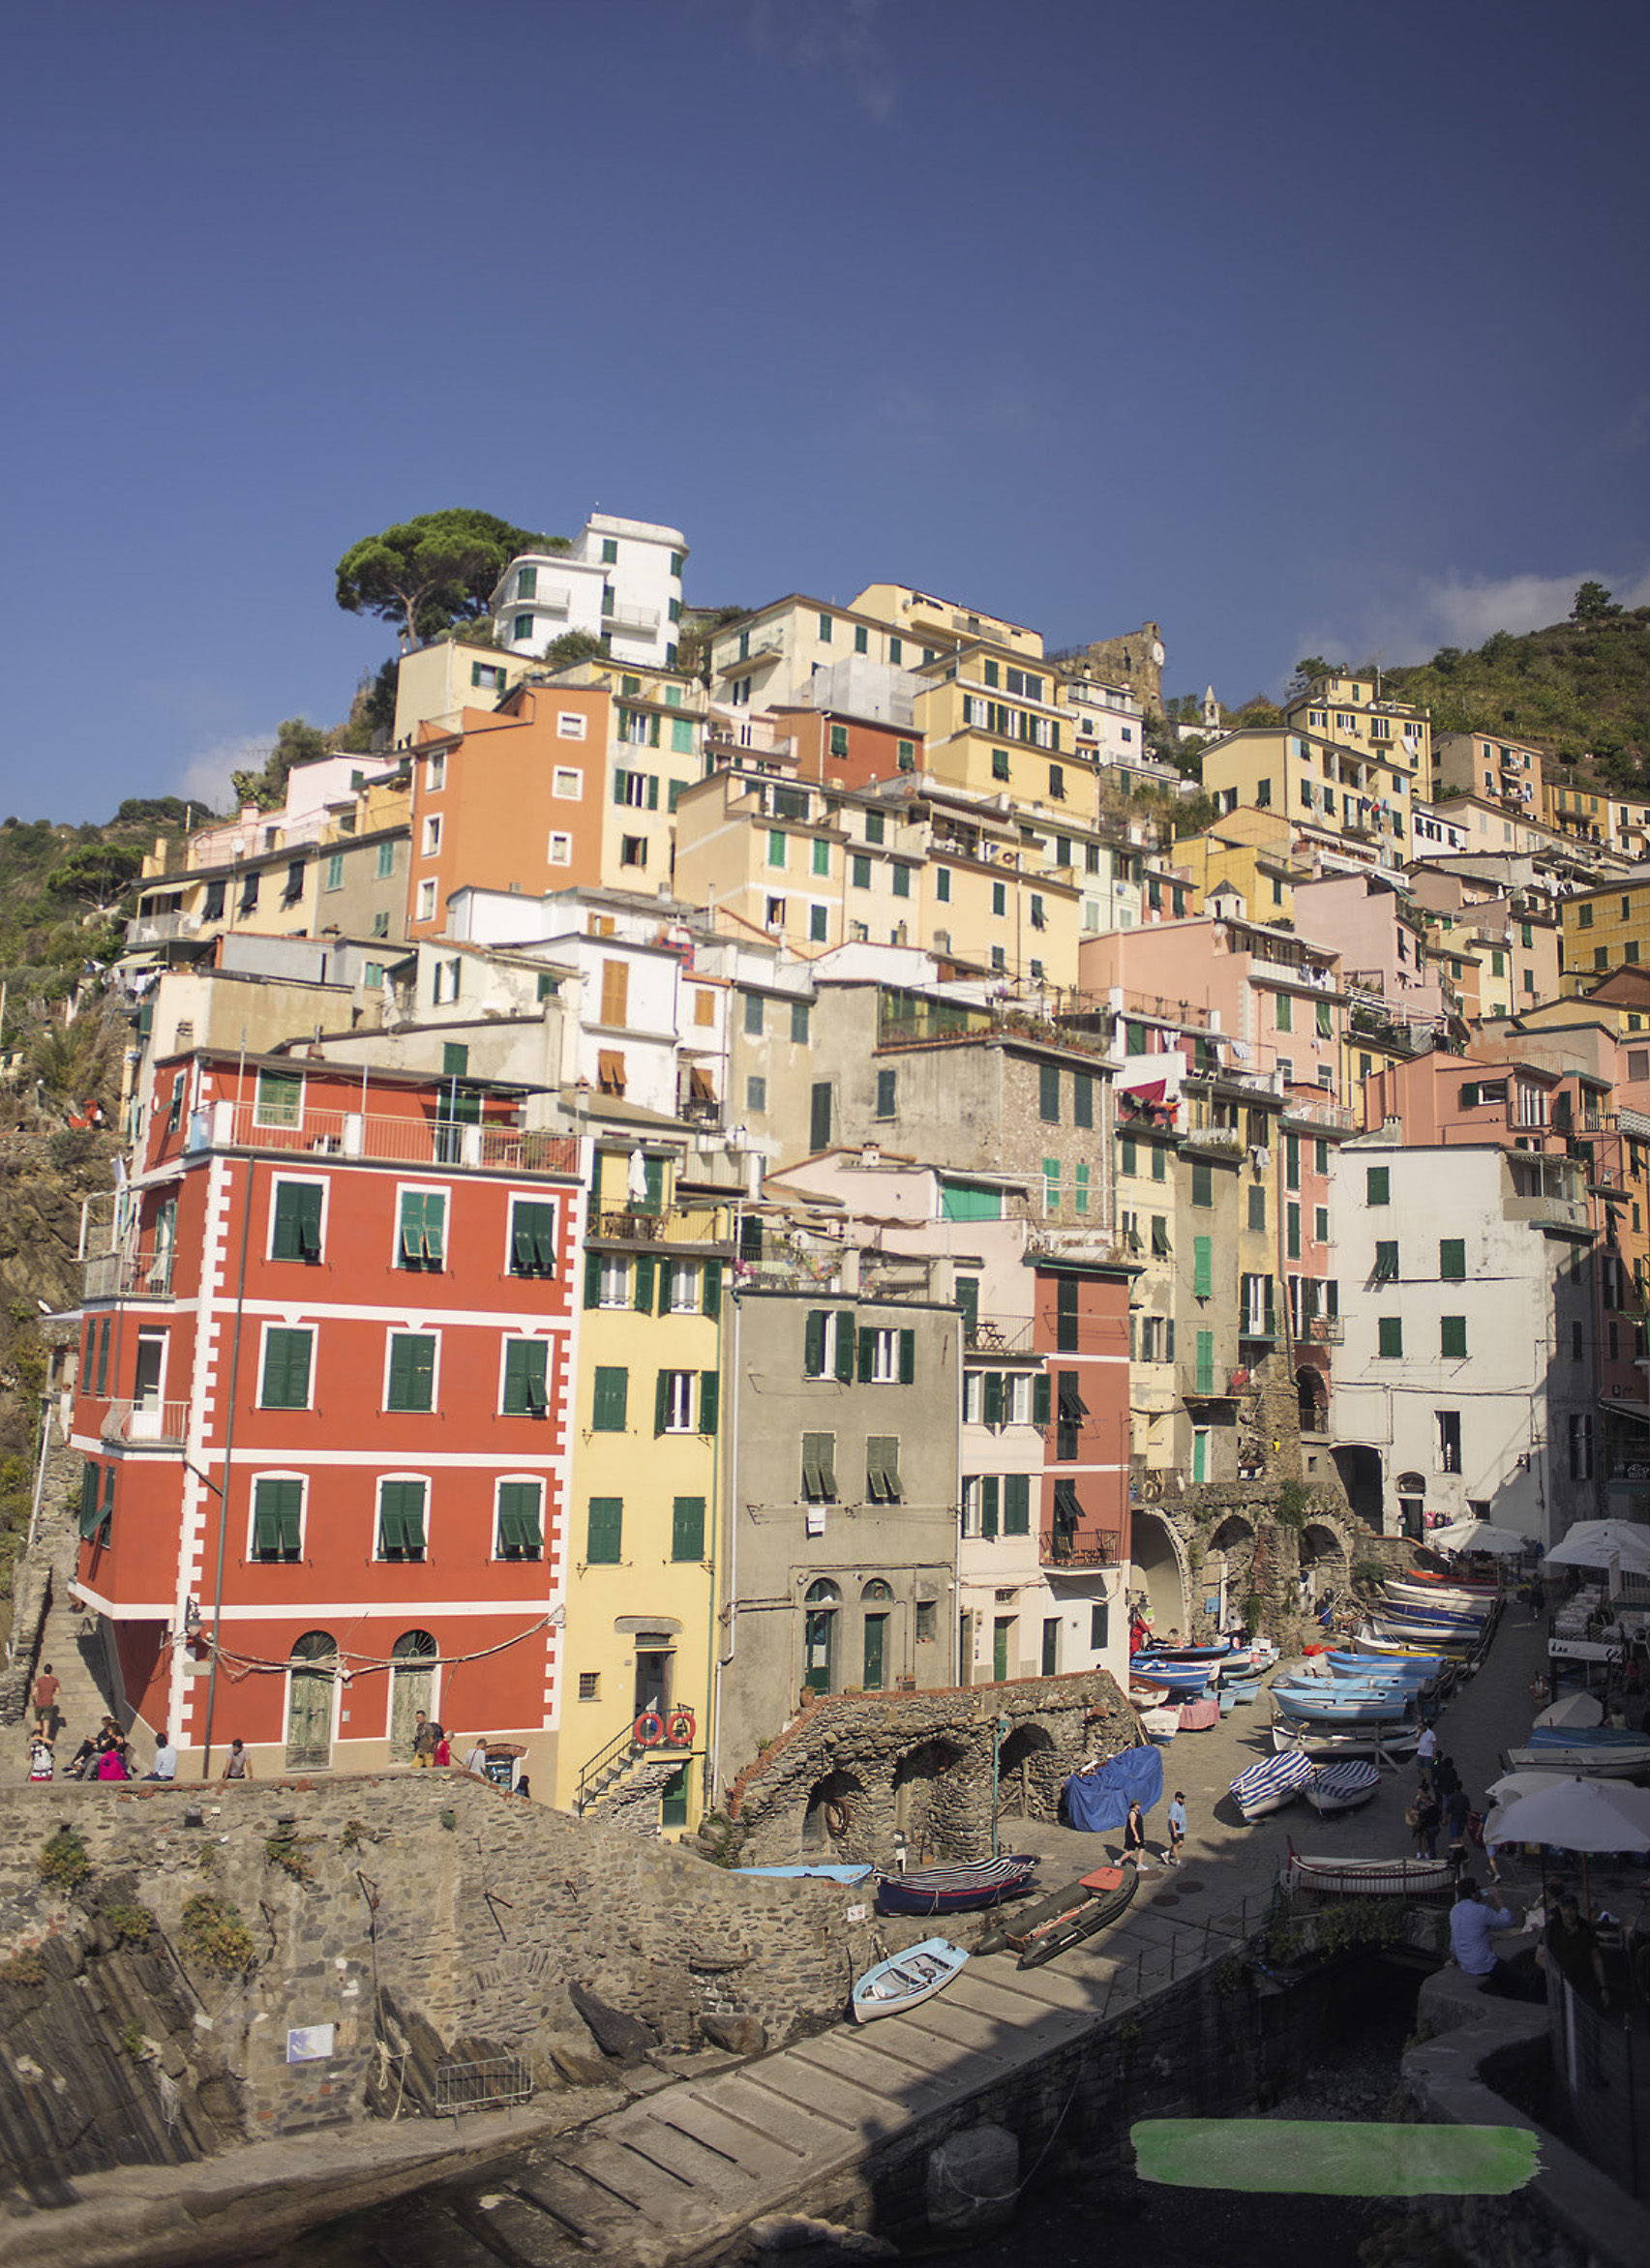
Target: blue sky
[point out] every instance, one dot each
(1294, 329)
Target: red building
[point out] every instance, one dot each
(324, 1396)
(1080, 1326)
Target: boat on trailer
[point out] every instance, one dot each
(956, 1890)
(906, 1980)
(1407, 1878)
(1082, 1909)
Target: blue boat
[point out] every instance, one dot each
(956, 1890)
(1175, 1677)
(1358, 1708)
(906, 1980)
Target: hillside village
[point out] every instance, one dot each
(761, 1161)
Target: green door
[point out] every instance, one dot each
(876, 1631)
(818, 1635)
(673, 1798)
(309, 1702)
(1051, 1647)
(1001, 1629)
(1200, 1456)
(819, 1117)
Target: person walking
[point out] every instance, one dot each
(41, 1756)
(423, 1741)
(1445, 1779)
(46, 1690)
(1177, 1827)
(1135, 1835)
(444, 1754)
(476, 1760)
(1425, 1815)
(1426, 1747)
(1458, 1809)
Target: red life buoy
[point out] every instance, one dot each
(679, 1732)
(648, 1730)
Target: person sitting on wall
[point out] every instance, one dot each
(1571, 1944)
(1472, 1924)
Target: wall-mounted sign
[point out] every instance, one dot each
(309, 2043)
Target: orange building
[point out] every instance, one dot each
(840, 750)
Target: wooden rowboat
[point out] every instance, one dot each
(906, 1980)
(1412, 1878)
(1039, 1933)
(956, 1890)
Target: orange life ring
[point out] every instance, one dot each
(679, 1731)
(648, 1730)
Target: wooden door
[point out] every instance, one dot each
(309, 1703)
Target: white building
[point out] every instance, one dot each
(620, 582)
(1464, 1383)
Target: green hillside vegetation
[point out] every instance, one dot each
(1577, 689)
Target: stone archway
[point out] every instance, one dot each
(931, 1808)
(1029, 1775)
(1228, 1567)
(836, 1817)
(1359, 1468)
(1325, 1565)
(1158, 1572)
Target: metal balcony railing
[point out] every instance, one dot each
(147, 1423)
(1325, 1330)
(1217, 1382)
(143, 1274)
(1087, 1548)
(487, 1146)
(682, 1225)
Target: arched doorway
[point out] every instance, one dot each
(923, 1799)
(834, 1817)
(309, 1702)
(1154, 1574)
(1360, 1470)
(1324, 1568)
(1228, 1570)
(1030, 1772)
(821, 1604)
(877, 1600)
(412, 1688)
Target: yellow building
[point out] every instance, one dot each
(1605, 928)
(1357, 797)
(1249, 852)
(942, 622)
(1348, 712)
(1466, 763)
(910, 866)
(436, 683)
(645, 1516)
(1593, 815)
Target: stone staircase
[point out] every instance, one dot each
(47, 1628)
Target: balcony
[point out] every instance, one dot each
(146, 1424)
(996, 1335)
(1227, 1139)
(682, 1225)
(143, 1274)
(1325, 1330)
(643, 620)
(160, 929)
(733, 663)
(1058, 1549)
(1217, 1383)
(488, 1146)
(1322, 1114)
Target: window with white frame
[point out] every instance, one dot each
(425, 900)
(435, 772)
(676, 1401)
(885, 1356)
(970, 1505)
(567, 783)
(569, 725)
(560, 849)
(684, 1288)
(615, 1283)
(432, 835)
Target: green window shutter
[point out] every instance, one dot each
(643, 1294)
(867, 1356)
(520, 1535)
(709, 1400)
(687, 1528)
(1048, 1093)
(908, 1358)
(455, 1059)
(1017, 1504)
(401, 1517)
(592, 1279)
(844, 1349)
(1293, 1232)
(277, 1511)
(1377, 1184)
(1257, 1205)
(102, 1385)
(90, 1476)
(682, 737)
(1203, 1267)
(297, 1230)
(814, 1344)
(662, 1400)
(612, 1397)
(412, 1370)
(532, 1240)
(991, 1398)
(1391, 1334)
(525, 1368)
(711, 1288)
(1203, 1186)
(1453, 1259)
(1082, 1099)
(1129, 1157)
(1042, 1399)
(1292, 1160)
(881, 1451)
(1204, 1378)
(1323, 1027)
(286, 1370)
(818, 1462)
(1169, 1340)
(988, 1492)
(667, 1285)
(1452, 1336)
(1387, 1263)
(968, 1300)
(603, 1534)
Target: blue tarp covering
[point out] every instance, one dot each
(1100, 1801)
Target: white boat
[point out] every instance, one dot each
(1372, 1877)
(1591, 1759)
(1451, 1595)
(1341, 1786)
(906, 1980)
(1394, 1740)
(1160, 1725)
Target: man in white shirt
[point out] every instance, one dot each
(1426, 1747)
(1470, 1925)
(165, 1762)
(476, 1760)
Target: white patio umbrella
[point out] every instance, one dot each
(1581, 1815)
(1594, 1543)
(1477, 1535)
(1526, 1781)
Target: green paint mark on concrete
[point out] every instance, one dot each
(1332, 2157)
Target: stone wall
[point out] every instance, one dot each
(430, 1899)
(851, 1771)
(1130, 660)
